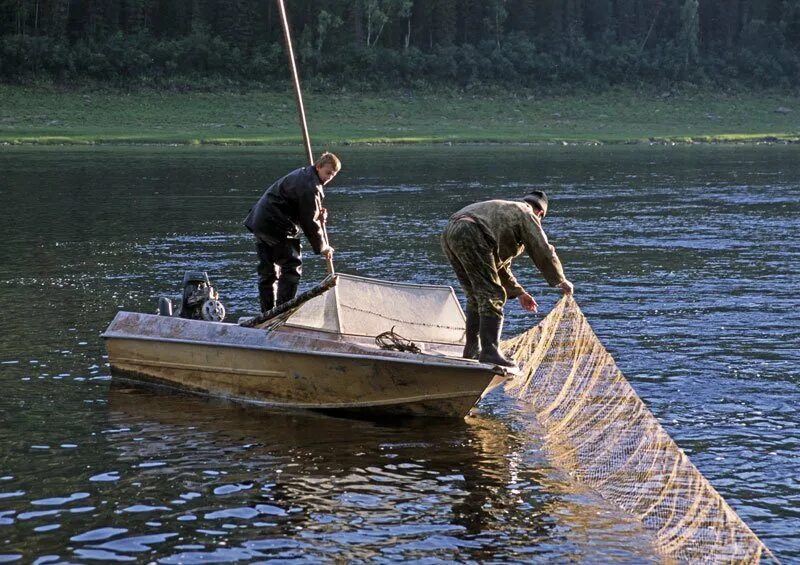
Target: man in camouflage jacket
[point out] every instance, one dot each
(480, 242)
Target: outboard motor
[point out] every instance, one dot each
(200, 301)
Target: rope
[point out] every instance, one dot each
(392, 341)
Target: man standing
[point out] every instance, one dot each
(480, 242)
(293, 203)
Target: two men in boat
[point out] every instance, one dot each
(480, 241)
(293, 203)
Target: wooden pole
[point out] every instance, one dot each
(328, 283)
(301, 109)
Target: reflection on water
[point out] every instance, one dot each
(195, 479)
(684, 260)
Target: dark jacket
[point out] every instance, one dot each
(291, 204)
(512, 227)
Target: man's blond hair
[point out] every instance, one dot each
(329, 159)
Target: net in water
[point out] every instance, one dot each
(597, 428)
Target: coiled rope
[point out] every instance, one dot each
(395, 342)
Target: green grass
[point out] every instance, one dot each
(49, 116)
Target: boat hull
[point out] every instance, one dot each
(290, 371)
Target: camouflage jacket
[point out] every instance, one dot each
(512, 227)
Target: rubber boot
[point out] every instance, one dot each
(491, 328)
(266, 296)
(286, 290)
(472, 346)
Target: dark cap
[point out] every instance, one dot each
(538, 199)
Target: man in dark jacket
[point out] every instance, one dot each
(480, 242)
(292, 204)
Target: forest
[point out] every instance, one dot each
(596, 44)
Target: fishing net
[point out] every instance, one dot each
(369, 307)
(600, 431)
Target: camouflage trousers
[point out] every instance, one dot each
(475, 261)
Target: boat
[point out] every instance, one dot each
(351, 346)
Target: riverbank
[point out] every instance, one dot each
(50, 116)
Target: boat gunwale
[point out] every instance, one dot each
(454, 363)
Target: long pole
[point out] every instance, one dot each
(298, 94)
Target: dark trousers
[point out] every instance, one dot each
(282, 262)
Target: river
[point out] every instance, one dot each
(685, 259)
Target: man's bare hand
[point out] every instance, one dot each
(323, 215)
(327, 252)
(527, 302)
(567, 287)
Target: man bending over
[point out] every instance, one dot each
(480, 242)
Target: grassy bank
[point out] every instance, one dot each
(47, 116)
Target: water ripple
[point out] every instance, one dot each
(99, 534)
(685, 262)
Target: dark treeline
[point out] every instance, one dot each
(388, 43)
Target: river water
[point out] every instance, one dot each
(686, 260)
